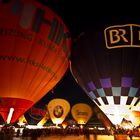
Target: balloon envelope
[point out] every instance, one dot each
(58, 110)
(81, 112)
(106, 64)
(34, 54)
(35, 114)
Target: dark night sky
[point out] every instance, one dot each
(67, 89)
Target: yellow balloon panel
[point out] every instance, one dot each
(58, 110)
(81, 112)
(43, 121)
(22, 120)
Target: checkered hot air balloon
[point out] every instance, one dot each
(106, 64)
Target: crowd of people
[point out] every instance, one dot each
(9, 132)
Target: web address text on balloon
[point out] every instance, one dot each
(9, 32)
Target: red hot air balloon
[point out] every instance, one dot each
(106, 64)
(34, 54)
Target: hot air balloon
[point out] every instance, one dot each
(35, 114)
(81, 112)
(105, 62)
(58, 110)
(34, 54)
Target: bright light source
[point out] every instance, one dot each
(57, 121)
(21, 123)
(10, 115)
(34, 127)
(81, 126)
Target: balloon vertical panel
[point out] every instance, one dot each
(34, 51)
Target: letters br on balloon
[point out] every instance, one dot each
(34, 54)
(122, 36)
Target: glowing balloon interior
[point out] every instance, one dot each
(81, 112)
(58, 110)
(106, 64)
(34, 54)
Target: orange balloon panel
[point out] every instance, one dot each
(34, 53)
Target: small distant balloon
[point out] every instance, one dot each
(81, 112)
(58, 110)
